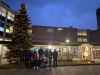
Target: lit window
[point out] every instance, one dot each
(1, 29)
(79, 39)
(8, 17)
(9, 13)
(60, 28)
(7, 30)
(6, 40)
(3, 14)
(4, 10)
(12, 18)
(12, 15)
(11, 29)
(84, 39)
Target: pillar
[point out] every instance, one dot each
(91, 53)
(82, 52)
(62, 51)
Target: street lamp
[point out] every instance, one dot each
(67, 40)
(67, 47)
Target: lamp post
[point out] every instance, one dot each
(67, 47)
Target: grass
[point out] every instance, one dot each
(64, 62)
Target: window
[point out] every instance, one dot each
(1, 33)
(7, 34)
(3, 14)
(2, 24)
(84, 39)
(3, 18)
(79, 34)
(1, 29)
(8, 20)
(79, 39)
(7, 30)
(10, 16)
(8, 26)
(11, 29)
(0, 7)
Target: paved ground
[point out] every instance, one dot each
(68, 70)
(4, 61)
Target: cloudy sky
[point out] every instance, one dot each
(80, 14)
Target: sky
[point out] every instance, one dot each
(80, 14)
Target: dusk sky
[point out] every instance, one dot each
(80, 14)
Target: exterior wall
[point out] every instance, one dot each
(41, 33)
(3, 48)
(95, 36)
(88, 36)
(98, 17)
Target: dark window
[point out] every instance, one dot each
(11, 22)
(8, 20)
(7, 26)
(2, 24)
(7, 34)
(1, 33)
(10, 36)
(3, 18)
(79, 36)
(0, 16)
(84, 36)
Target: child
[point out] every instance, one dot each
(45, 63)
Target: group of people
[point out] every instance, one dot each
(36, 61)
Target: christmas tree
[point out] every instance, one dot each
(21, 37)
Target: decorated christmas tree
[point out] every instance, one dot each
(21, 37)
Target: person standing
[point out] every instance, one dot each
(46, 54)
(55, 54)
(35, 54)
(50, 56)
(21, 58)
(27, 58)
(32, 59)
(40, 52)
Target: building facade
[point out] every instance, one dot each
(65, 39)
(6, 25)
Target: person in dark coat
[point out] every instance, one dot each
(46, 54)
(27, 58)
(21, 57)
(32, 59)
(40, 52)
(55, 54)
(50, 56)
